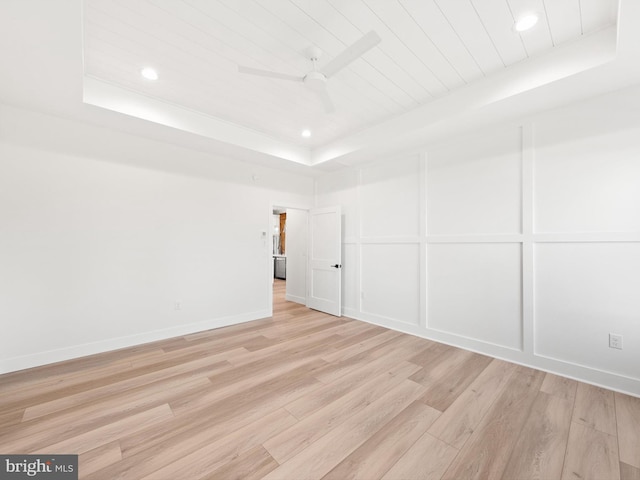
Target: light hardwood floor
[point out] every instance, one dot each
(305, 395)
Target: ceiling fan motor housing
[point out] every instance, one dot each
(316, 81)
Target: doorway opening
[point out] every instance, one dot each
(288, 259)
(310, 256)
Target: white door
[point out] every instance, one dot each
(325, 260)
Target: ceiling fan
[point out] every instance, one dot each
(317, 80)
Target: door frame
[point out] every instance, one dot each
(269, 246)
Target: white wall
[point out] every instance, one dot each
(521, 241)
(296, 255)
(101, 233)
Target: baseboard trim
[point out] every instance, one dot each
(609, 380)
(296, 299)
(14, 364)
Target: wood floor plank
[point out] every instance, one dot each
(223, 416)
(76, 369)
(252, 465)
(382, 450)
(147, 358)
(540, 448)
(102, 457)
(320, 341)
(244, 404)
(335, 325)
(324, 454)
(438, 368)
(191, 460)
(17, 395)
(459, 421)
(487, 451)
(627, 472)
(217, 344)
(359, 348)
(559, 386)
(595, 408)
(349, 332)
(99, 413)
(271, 366)
(301, 325)
(214, 442)
(295, 439)
(430, 353)
(11, 417)
(232, 331)
(427, 459)
(263, 380)
(105, 434)
(124, 378)
(395, 350)
(591, 455)
(198, 368)
(354, 336)
(318, 399)
(443, 392)
(628, 427)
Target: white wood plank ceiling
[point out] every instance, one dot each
(429, 48)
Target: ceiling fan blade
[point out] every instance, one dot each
(326, 101)
(268, 73)
(352, 53)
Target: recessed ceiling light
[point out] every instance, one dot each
(306, 133)
(149, 73)
(525, 22)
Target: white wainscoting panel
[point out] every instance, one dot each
(473, 186)
(350, 267)
(474, 290)
(341, 189)
(587, 184)
(390, 203)
(390, 281)
(583, 292)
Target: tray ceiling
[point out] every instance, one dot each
(430, 49)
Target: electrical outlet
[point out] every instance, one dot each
(615, 341)
(177, 305)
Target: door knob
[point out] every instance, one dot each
(336, 266)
